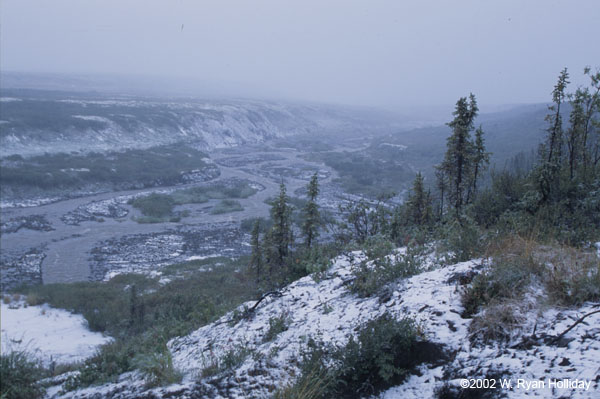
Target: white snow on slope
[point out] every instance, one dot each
(326, 310)
(49, 334)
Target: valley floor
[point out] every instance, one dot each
(92, 237)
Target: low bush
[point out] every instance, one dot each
(232, 359)
(496, 322)
(506, 278)
(157, 368)
(382, 266)
(463, 240)
(277, 325)
(19, 376)
(380, 355)
(571, 276)
(313, 385)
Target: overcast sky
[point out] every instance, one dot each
(371, 52)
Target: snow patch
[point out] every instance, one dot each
(51, 335)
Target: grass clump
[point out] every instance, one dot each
(566, 276)
(232, 359)
(19, 376)
(158, 369)
(571, 276)
(506, 278)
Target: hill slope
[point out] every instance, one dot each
(324, 309)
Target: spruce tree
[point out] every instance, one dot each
(442, 186)
(555, 132)
(419, 202)
(591, 105)
(551, 151)
(280, 236)
(457, 166)
(256, 258)
(312, 219)
(481, 160)
(575, 131)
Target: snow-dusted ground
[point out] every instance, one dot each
(52, 335)
(326, 310)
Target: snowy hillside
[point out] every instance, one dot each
(38, 122)
(324, 309)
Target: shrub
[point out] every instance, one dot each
(496, 322)
(313, 385)
(384, 350)
(382, 266)
(315, 260)
(232, 359)
(158, 368)
(507, 277)
(277, 325)
(111, 360)
(571, 276)
(19, 375)
(463, 240)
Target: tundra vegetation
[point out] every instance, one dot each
(533, 220)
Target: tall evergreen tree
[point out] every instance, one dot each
(312, 218)
(442, 187)
(457, 166)
(256, 258)
(575, 150)
(551, 150)
(419, 202)
(555, 130)
(481, 160)
(591, 105)
(280, 235)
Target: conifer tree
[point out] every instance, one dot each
(555, 131)
(442, 186)
(419, 202)
(312, 219)
(280, 236)
(551, 150)
(591, 105)
(457, 166)
(481, 160)
(575, 150)
(256, 258)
